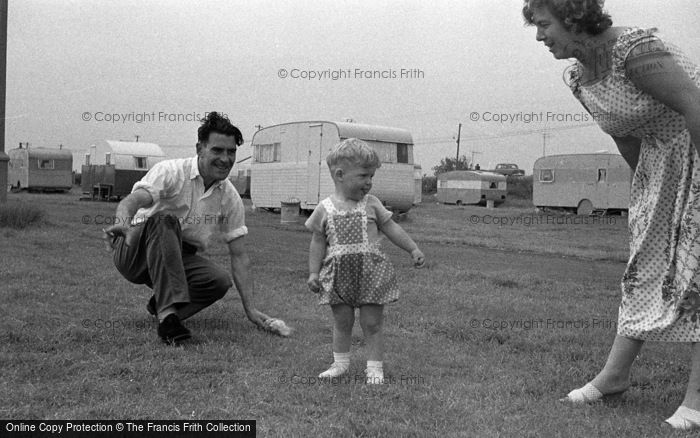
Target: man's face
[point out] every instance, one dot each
(216, 157)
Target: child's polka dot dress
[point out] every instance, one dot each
(354, 271)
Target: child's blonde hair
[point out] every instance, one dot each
(352, 152)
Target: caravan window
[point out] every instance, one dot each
(401, 153)
(392, 152)
(602, 175)
(45, 164)
(385, 151)
(546, 175)
(140, 163)
(267, 153)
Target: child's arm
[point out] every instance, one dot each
(317, 251)
(400, 238)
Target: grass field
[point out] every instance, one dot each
(514, 309)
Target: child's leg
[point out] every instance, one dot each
(343, 320)
(371, 319)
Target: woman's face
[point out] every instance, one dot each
(561, 42)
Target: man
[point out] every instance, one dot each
(170, 215)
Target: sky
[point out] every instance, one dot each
(82, 72)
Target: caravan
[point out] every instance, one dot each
(289, 163)
(40, 169)
(582, 182)
(471, 187)
(125, 162)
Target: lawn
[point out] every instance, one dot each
(514, 309)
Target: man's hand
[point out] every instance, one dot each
(111, 232)
(314, 283)
(418, 258)
(116, 230)
(256, 317)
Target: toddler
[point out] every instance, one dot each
(346, 265)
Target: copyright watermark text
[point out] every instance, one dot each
(150, 324)
(142, 117)
(337, 74)
(206, 219)
(543, 324)
(543, 219)
(539, 117)
(349, 379)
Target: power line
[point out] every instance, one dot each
(439, 140)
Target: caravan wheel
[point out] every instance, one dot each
(585, 208)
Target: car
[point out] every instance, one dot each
(508, 169)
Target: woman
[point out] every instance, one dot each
(645, 93)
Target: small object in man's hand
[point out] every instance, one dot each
(277, 326)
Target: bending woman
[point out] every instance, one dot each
(645, 93)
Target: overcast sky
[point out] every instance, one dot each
(71, 64)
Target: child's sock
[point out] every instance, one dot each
(340, 365)
(375, 372)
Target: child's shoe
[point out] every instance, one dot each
(336, 369)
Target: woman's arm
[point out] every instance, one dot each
(655, 71)
(629, 149)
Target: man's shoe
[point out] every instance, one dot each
(171, 330)
(151, 306)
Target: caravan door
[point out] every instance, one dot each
(315, 144)
(602, 188)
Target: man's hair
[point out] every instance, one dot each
(576, 15)
(219, 123)
(353, 152)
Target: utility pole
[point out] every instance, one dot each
(473, 162)
(459, 134)
(3, 75)
(544, 143)
(137, 138)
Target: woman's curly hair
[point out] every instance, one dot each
(576, 15)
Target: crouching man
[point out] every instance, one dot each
(169, 216)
